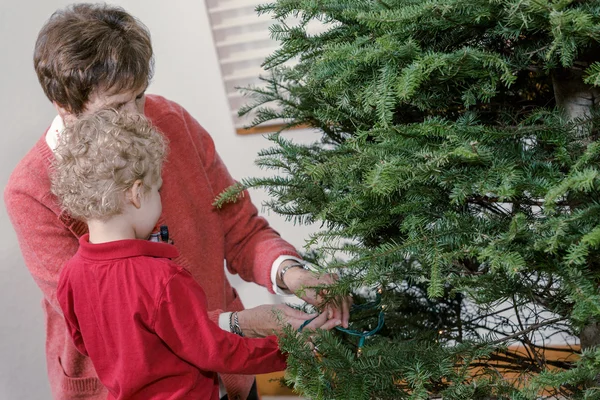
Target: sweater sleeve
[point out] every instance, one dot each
(46, 243)
(64, 296)
(182, 323)
(251, 245)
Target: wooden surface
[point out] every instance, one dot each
(269, 385)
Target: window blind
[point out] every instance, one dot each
(242, 42)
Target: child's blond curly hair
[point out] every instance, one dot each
(99, 157)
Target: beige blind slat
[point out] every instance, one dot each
(242, 42)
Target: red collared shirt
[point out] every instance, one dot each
(142, 320)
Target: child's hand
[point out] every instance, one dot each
(268, 319)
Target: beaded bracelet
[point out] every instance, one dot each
(234, 324)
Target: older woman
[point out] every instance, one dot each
(89, 57)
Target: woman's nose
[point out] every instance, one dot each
(130, 107)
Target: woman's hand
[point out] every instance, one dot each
(268, 319)
(296, 279)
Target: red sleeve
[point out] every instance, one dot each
(251, 245)
(182, 323)
(64, 296)
(46, 244)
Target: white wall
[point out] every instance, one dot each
(186, 71)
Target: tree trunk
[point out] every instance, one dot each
(590, 335)
(572, 95)
(576, 99)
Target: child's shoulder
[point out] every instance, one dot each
(164, 268)
(161, 273)
(163, 264)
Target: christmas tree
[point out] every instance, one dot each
(456, 184)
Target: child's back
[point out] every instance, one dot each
(140, 317)
(145, 324)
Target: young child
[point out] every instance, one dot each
(140, 317)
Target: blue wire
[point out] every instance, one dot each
(362, 335)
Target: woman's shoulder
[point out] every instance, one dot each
(182, 130)
(157, 108)
(169, 117)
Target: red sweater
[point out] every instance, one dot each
(142, 320)
(192, 176)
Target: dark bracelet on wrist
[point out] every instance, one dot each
(286, 269)
(234, 324)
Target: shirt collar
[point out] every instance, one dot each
(54, 132)
(124, 249)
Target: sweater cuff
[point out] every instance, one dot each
(224, 321)
(275, 267)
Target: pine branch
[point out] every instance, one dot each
(527, 330)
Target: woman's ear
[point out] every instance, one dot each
(134, 194)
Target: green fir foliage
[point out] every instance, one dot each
(450, 176)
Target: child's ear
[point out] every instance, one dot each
(134, 194)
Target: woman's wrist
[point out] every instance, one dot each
(246, 322)
(286, 266)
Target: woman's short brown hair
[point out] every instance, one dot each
(88, 46)
(99, 157)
